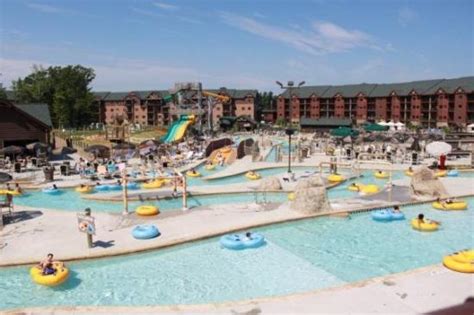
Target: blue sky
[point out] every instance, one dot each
(241, 44)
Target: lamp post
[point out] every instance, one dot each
(290, 131)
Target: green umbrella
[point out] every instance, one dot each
(375, 127)
(344, 132)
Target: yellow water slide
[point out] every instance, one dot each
(181, 131)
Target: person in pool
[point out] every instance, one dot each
(380, 172)
(355, 186)
(248, 236)
(55, 187)
(410, 169)
(47, 265)
(193, 171)
(119, 183)
(396, 209)
(18, 188)
(421, 219)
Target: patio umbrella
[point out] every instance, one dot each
(12, 150)
(36, 145)
(375, 127)
(438, 148)
(5, 177)
(344, 132)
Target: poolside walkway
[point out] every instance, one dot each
(432, 289)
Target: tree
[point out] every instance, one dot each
(66, 91)
(266, 100)
(3, 93)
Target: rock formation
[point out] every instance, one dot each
(270, 184)
(425, 185)
(310, 196)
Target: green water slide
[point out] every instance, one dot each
(170, 135)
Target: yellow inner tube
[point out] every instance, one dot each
(210, 167)
(441, 173)
(61, 275)
(9, 192)
(369, 189)
(408, 173)
(147, 210)
(356, 187)
(381, 175)
(226, 150)
(291, 196)
(153, 184)
(253, 176)
(457, 205)
(335, 178)
(462, 261)
(427, 226)
(84, 190)
(191, 174)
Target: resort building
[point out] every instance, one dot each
(430, 103)
(21, 124)
(157, 108)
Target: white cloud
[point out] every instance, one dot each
(12, 69)
(259, 15)
(165, 6)
(45, 8)
(406, 16)
(321, 38)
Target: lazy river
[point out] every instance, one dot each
(299, 256)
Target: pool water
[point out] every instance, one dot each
(70, 200)
(299, 256)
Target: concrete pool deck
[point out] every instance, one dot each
(433, 289)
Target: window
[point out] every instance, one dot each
(250, 108)
(143, 116)
(136, 117)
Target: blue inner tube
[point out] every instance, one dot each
(387, 215)
(145, 231)
(453, 173)
(51, 191)
(102, 187)
(132, 185)
(114, 187)
(240, 241)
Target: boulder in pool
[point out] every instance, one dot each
(310, 196)
(425, 185)
(270, 184)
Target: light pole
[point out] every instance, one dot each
(290, 131)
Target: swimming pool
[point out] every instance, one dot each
(299, 256)
(70, 200)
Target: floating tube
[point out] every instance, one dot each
(336, 178)
(153, 184)
(147, 210)
(387, 215)
(210, 167)
(457, 205)
(132, 185)
(462, 261)
(291, 196)
(369, 189)
(9, 192)
(408, 173)
(51, 191)
(191, 174)
(240, 241)
(145, 231)
(427, 226)
(84, 190)
(252, 176)
(441, 173)
(453, 173)
(381, 175)
(102, 187)
(61, 275)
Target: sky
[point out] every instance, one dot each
(141, 45)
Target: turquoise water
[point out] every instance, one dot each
(69, 200)
(300, 256)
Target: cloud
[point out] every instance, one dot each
(12, 69)
(165, 6)
(259, 15)
(147, 12)
(321, 38)
(45, 8)
(406, 16)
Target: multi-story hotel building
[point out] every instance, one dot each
(431, 103)
(150, 108)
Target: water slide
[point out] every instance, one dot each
(178, 129)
